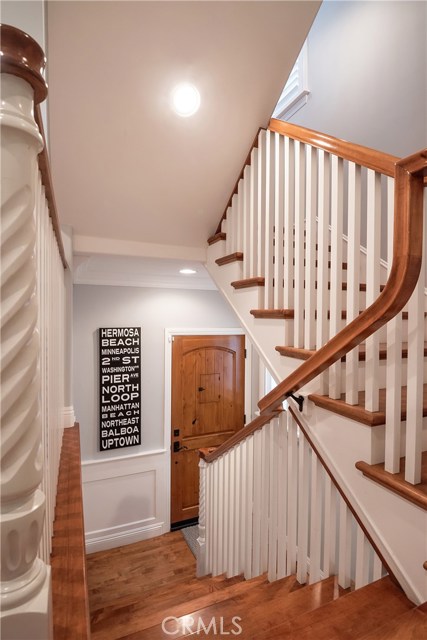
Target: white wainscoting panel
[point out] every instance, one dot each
(126, 499)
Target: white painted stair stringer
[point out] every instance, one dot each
(397, 526)
(265, 334)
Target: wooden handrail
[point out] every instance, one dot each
(365, 156)
(405, 270)
(236, 186)
(410, 174)
(46, 176)
(21, 56)
(237, 437)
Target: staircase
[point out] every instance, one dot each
(164, 600)
(319, 256)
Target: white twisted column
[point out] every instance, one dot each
(201, 540)
(25, 579)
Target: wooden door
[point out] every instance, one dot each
(207, 408)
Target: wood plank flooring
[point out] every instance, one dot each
(148, 591)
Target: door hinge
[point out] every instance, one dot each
(244, 418)
(246, 353)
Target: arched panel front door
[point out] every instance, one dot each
(207, 408)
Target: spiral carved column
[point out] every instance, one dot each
(25, 579)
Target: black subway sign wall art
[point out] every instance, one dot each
(120, 387)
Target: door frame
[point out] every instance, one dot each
(169, 333)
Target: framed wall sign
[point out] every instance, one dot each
(120, 387)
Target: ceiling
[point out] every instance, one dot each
(131, 177)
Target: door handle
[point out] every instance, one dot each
(177, 448)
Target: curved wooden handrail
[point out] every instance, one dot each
(410, 174)
(21, 56)
(365, 156)
(237, 437)
(405, 270)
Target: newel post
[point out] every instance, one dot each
(201, 540)
(25, 596)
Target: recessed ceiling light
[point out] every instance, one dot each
(185, 99)
(187, 272)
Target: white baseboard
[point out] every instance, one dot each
(120, 536)
(69, 417)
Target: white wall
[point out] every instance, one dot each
(126, 491)
(367, 69)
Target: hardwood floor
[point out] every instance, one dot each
(148, 591)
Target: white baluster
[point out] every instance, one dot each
(273, 499)
(269, 221)
(303, 508)
(310, 252)
(25, 579)
(362, 559)
(279, 184)
(234, 222)
(209, 517)
(394, 361)
(289, 208)
(315, 518)
(322, 334)
(247, 249)
(344, 548)
(240, 213)
(353, 277)
(299, 244)
(337, 214)
(216, 540)
(260, 205)
(227, 227)
(253, 214)
(373, 286)
(415, 384)
(292, 495)
(257, 497)
(201, 540)
(330, 536)
(237, 567)
(249, 573)
(283, 497)
(265, 489)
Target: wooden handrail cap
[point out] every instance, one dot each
(21, 56)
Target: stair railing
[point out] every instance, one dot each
(271, 506)
(32, 345)
(308, 219)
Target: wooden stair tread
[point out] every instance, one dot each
(288, 314)
(259, 281)
(396, 481)
(284, 314)
(259, 608)
(350, 617)
(248, 282)
(305, 354)
(216, 237)
(411, 625)
(232, 257)
(358, 412)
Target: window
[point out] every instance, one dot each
(294, 95)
